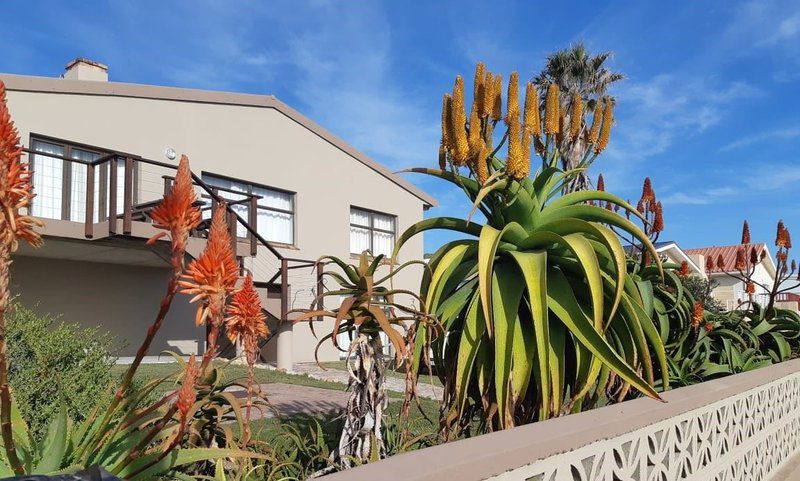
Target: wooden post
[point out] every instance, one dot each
(89, 218)
(127, 216)
(252, 214)
(284, 290)
(232, 229)
(285, 357)
(112, 196)
(167, 185)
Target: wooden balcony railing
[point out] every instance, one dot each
(102, 205)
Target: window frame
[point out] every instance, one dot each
(204, 175)
(66, 173)
(371, 228)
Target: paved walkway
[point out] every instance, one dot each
(288, 399)
(424, 389)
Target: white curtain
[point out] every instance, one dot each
(359, 236)
(382, 242)
(369, 237)
(48, 175)
(240, 209)
(271, 225)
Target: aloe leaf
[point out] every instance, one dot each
(562, 302)
(506, 294)
(55, 443)
(533, 266)
(448, 263)
(474, 328)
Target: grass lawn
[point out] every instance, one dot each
(265, 429)
(147, 372)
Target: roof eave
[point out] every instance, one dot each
(28, 83)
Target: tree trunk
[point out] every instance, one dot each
(570, 159)
(362, 439)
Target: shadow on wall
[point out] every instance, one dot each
(122, 299)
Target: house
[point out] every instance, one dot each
(730, 290)
(788, 300)
(103, 154)
(670, 252)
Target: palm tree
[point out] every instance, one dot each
(574, 70)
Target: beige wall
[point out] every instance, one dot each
(255, 144)
(123, 299)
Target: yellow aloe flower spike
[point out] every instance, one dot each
(575, 116)
(479, 89)
(497, 102)
(475, 139)
(488, 95)
(531, 121)
(551, 110)
(447, 139)
(525, 168)
(597, 119)
(512, 110)
(605, 130)
(514, 163)
(460, 144)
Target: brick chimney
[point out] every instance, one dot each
(85, 69)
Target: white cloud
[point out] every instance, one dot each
(654, 113)
(777, 134)
(770, 179)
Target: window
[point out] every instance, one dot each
(371, 231)
(60, 185)
(275, 215)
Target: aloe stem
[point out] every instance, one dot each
(5, 393)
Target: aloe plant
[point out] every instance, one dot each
(537, 307)
(368, 310)
(133, 443)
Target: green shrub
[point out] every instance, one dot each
(52, 361)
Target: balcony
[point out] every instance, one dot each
(104, 204)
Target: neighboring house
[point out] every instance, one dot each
(103, 156)
(788, 300)
(670, 252)
(730, 290)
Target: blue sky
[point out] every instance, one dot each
(709, 109)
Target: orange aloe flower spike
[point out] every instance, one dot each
(213, 274)
(187, 393)
(177, 213)
(745, 233)
(16, 188)
(245, 315)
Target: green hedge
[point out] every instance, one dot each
(50, 361)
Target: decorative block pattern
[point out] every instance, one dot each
(742, 438)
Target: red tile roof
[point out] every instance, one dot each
(728, 254)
